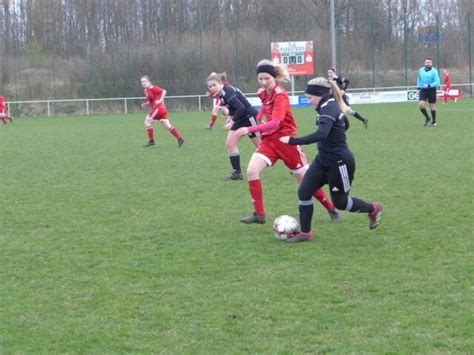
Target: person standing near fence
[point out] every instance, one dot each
(279, 122)
(155, 96)
(4, 111)
(428, 81)
(239, 112)
(334, 164)
(447, 87)
(343, 84)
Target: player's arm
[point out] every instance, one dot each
(281, 104)
(419, 83)
(260, 114)
(346, 123)
(325, 124)
(162, 97)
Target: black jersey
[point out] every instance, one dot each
(335, 143)
(343, 83)
(330, 134)
(238, 105)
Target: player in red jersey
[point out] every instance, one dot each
(447, 87)
(4, 111)
(154, 96)
(279, 123)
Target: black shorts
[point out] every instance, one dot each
(246, 122)
(428, 94)
(338, 176)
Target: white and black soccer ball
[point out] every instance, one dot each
(284, 226)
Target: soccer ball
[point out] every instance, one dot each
(284, 226)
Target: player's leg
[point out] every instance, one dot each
(432, 103)
(421, 106)
(149, 130)
(340, 179)
(256, 140)
(258, 162)
(254, 137)
(165, 122)
(312, 180)
(295, 159)
(234, 155)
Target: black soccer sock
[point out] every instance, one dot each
(433, 115)
(355, 204)
(306, 215)
(359, 117)
(235, 162)
(425, 113)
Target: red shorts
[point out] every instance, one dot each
(158, 113)
(271, 150)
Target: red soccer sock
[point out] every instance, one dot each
(256, 192)
(151, 133)
(174, 132)
(213, 120)
(321, 196)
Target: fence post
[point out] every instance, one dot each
(126, 108)
(49, 110)
(200, 106)
(87, 107)
(469, 50)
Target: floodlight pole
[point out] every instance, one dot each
(333, 35)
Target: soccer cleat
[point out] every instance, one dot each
(427, 123)
(434, 124)
(254, 218)
(374, 216)
(149, 144)
(180, 142)
(207, 127)
(301, 237)
(334, 215)
(234, 176)
(365, 121)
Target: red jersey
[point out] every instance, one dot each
(153, 94)
(447, 81)
(3, 107)
(276, 106)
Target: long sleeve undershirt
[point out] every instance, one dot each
(324, 127)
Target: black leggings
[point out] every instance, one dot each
(339, 177)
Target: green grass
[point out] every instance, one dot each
(109, 247)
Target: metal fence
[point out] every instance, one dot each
(131, 105)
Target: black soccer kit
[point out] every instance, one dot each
(334, 164)
(242, 112)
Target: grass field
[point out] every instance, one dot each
(109, 247)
